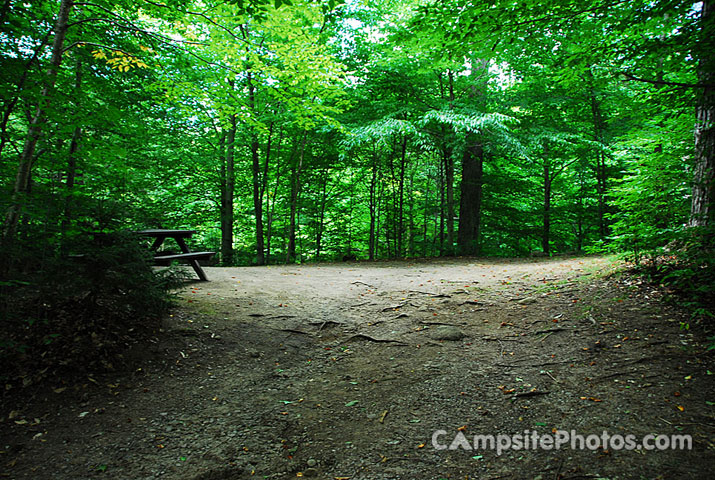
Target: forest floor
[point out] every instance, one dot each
(346, 371)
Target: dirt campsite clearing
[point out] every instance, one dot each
(373, 370)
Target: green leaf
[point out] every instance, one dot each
(352, 403)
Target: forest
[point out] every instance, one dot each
(306, 131)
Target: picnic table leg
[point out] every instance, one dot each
(194, 263)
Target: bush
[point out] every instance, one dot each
(78, 309)
(688, 267)
(652, 210)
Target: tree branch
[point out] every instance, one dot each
(205, 17)
(85, 20)
(126, 24)
(663, 82)
(99, 45)
(550, 17)
(562, 168)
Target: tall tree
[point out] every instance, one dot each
(703, 204)
(22, 180)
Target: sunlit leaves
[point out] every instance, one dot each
(119, 60)
(475, 123)
(259, 8)
(381, 131)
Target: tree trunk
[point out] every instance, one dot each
(295, 189)
(449, 191)
(378, 217)
(391, 208)
(702, 210)
(425, 220)
(256, 170)
(410, 227)
(71, 179)
(321, 216)
(22, 180)
(257, 202)
(372, 205)
(401, 199)
(221, 161)
(228, 183)
(72, 157)
(470, 209)
(580, 234)
(442, 204)
(349, 250)
(601, 186)
(546, 231)
(449, 174)
(271, 199)
(601, 179)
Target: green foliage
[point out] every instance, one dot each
(651, 223)
(652, 199)
(687, 268)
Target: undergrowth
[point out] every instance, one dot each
(686, 267)
(76, 309)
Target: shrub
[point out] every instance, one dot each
(80, 308)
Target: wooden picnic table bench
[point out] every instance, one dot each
(159, 235)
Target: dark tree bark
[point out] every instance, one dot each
(601, 188)
(470, 208)
(22, 181)
(601, 173)
(447, 192)
(425, 221)
(702, 211)
(442, 204)
(410, 227)
(448, 162)
(72, 157)
(349, 250)
(321, 215)
(401, 199)
(270, 199)
(546, 231)
(227, 192)
(257, 202)
(295, 190)
(372, 204)
(256, 171)
(580, 209)
(391, 207)
(449, 177)
(378, 217)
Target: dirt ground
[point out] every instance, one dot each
(346, 371)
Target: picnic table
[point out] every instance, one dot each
(159, 235)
